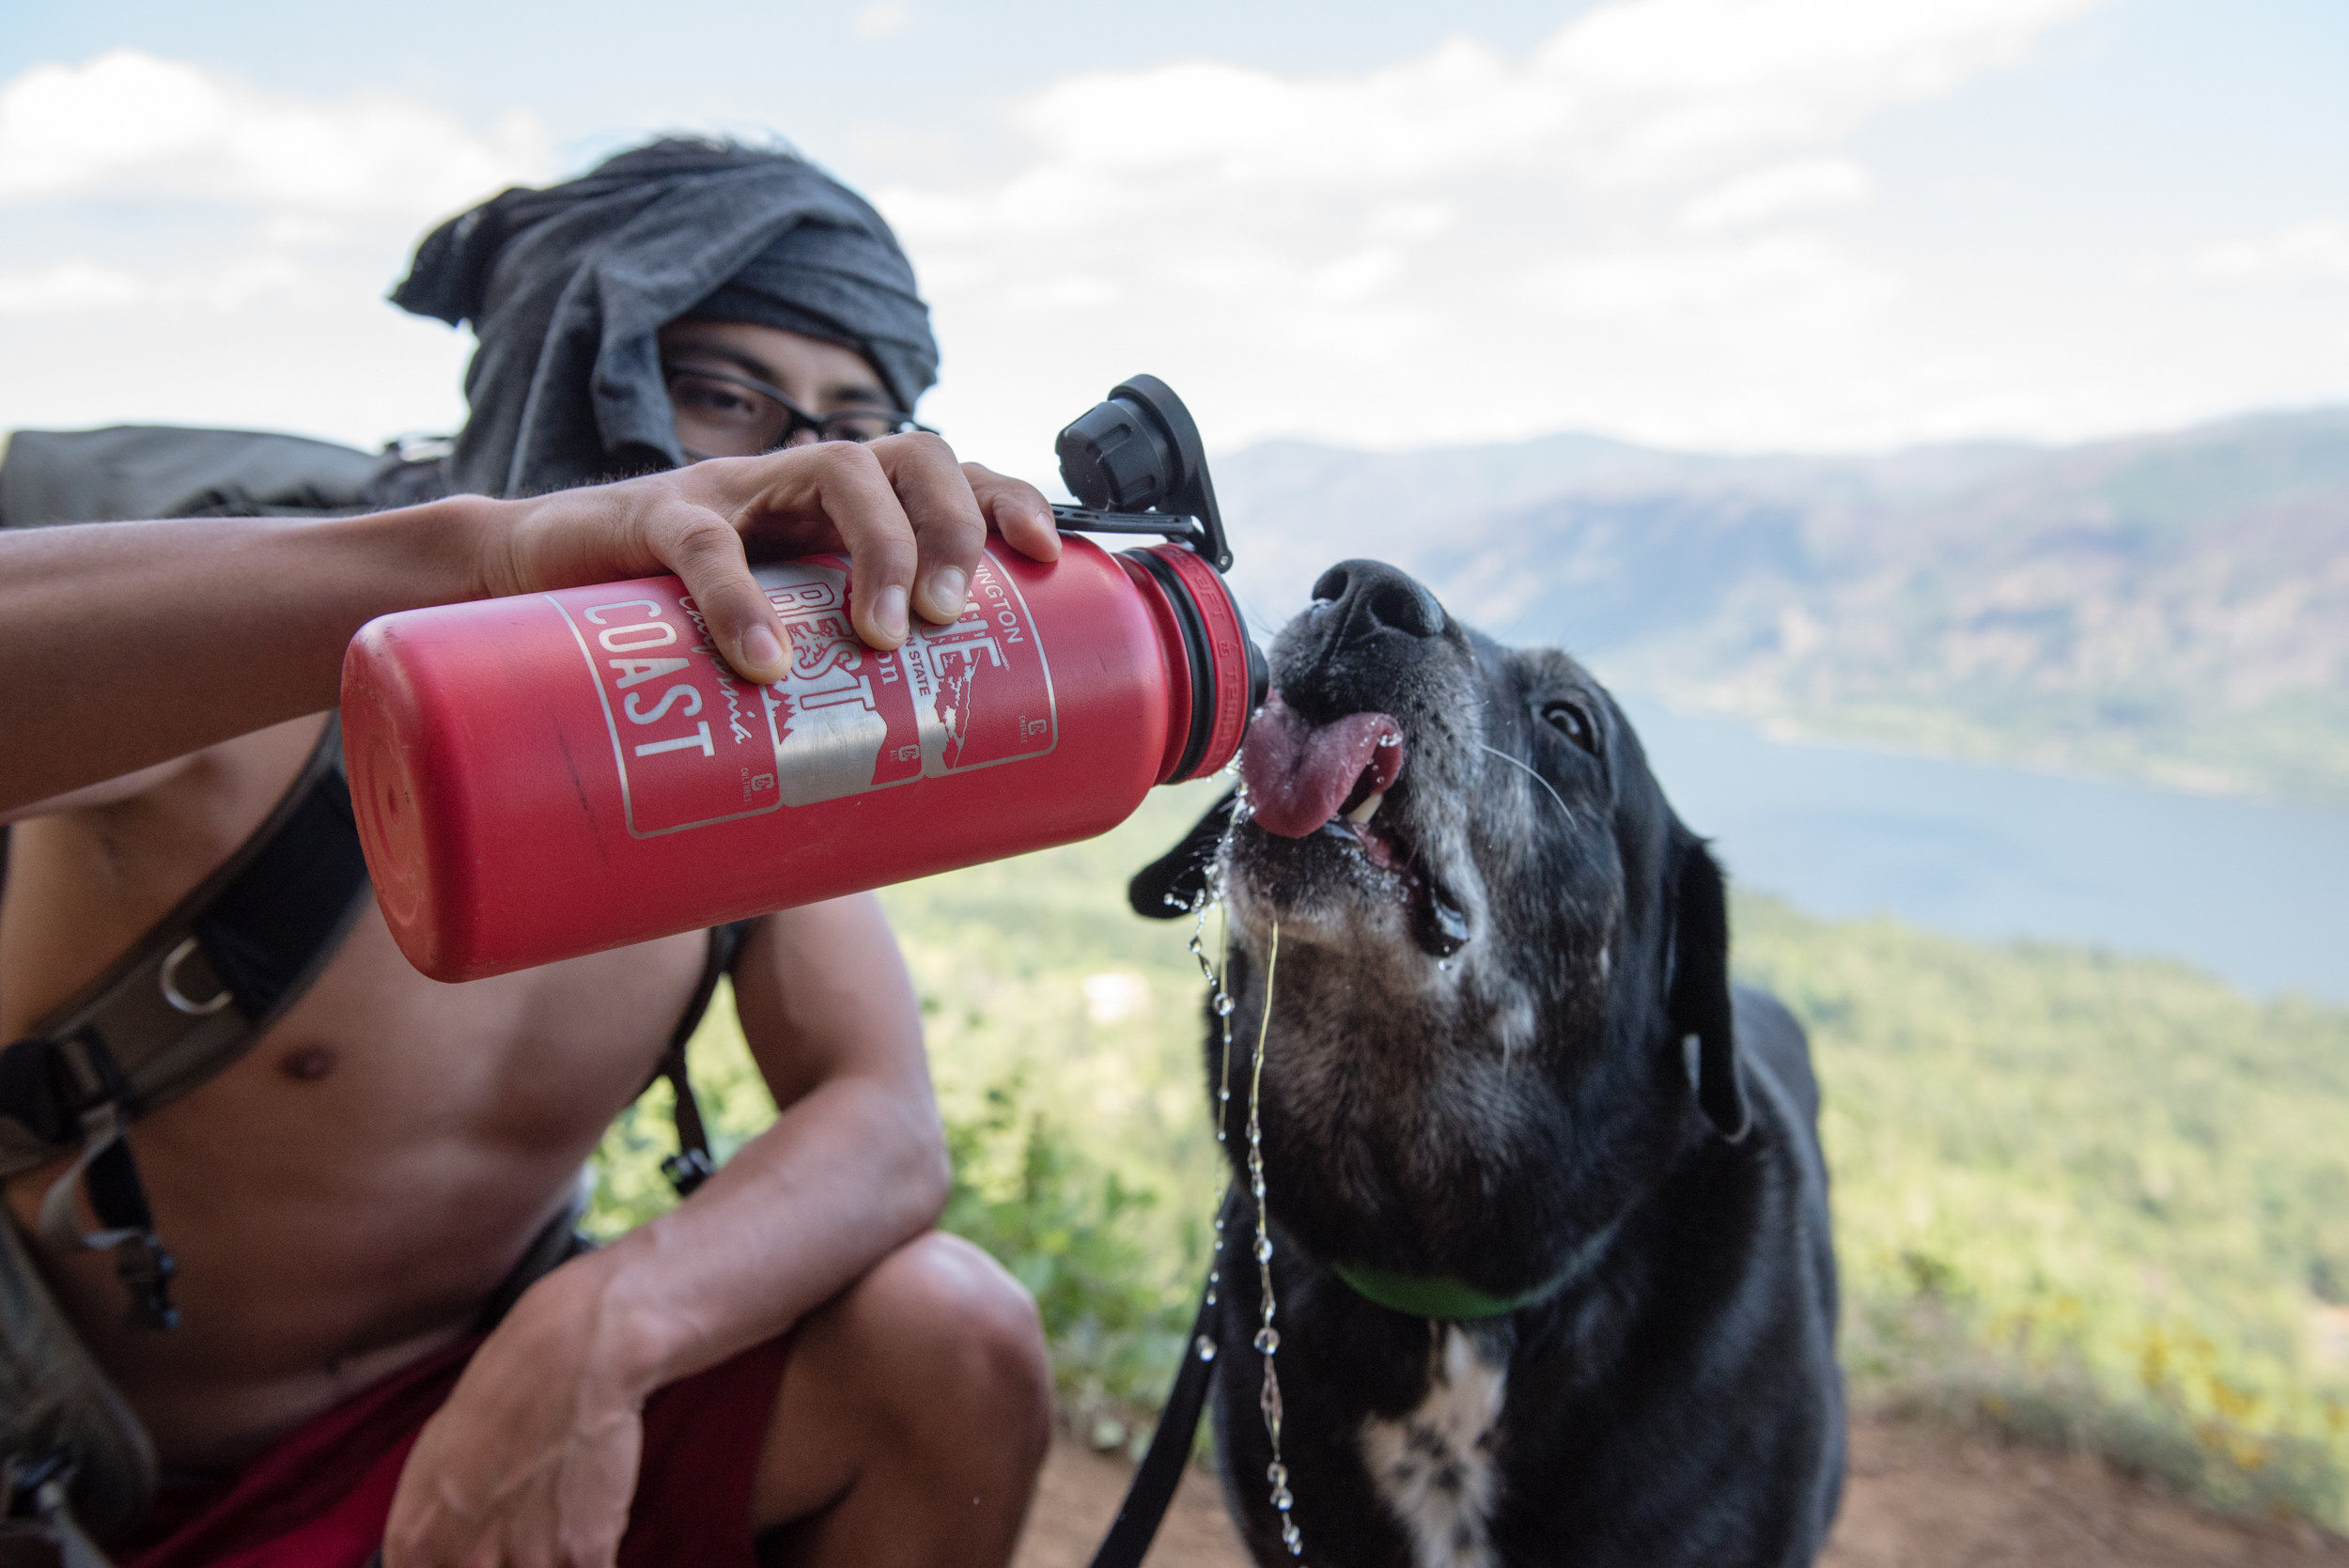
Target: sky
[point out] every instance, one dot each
(1749, 224)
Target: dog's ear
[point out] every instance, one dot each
(1168, 887)
(1697, 999)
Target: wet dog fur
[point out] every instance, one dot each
(1503, 1049)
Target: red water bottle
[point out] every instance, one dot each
(553, 774)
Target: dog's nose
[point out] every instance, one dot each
(1370, 597)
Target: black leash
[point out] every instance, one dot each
(1162, 1470)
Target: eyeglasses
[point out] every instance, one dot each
(742, 416)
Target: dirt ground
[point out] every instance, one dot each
(1918, 1496)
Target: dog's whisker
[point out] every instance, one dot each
(1531, 774)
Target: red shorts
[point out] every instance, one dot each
(319, 1497)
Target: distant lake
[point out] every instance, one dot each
(2256, 895)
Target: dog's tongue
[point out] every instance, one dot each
(1298, 775)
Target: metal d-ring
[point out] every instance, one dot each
(168, 977)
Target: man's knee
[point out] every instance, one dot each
(964, 1330)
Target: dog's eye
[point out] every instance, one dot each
(1572, 722)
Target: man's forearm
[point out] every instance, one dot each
(848, 1174)
(125, 643)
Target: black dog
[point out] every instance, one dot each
(1508, 1092)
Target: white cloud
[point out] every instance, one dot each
(1463, 106)
(1621, 229)
(128, 124)
(2305, 251)
(1409, 220)
(68, 289)
(69, 286)
(1818, 50)
(1529, 229)
(1776, 191)
(882, 18)
(1773, 280)
(1632, 93)
(267, 228)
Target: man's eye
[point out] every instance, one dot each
(712, 401)
(854, 426)
(1572, 722)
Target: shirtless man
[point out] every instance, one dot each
(345, 1196)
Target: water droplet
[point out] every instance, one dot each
(1263, 1251)
(1277, 1473)
(1292, 1538)
(1223, 1006)
(1267, 1341)
(1283, 1500)
(1203, 1348)
(1390, 740)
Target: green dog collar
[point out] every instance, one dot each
(1432, 1296)
(1444, 1299)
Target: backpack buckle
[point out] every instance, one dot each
(145, 1265)
(688, 1169)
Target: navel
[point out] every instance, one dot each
(308, 1064)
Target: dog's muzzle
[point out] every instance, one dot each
(1330, 778)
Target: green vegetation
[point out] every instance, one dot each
(2091, 1199)
(2086, 1199)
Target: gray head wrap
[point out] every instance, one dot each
(567, 287)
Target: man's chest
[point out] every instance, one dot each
(374, 1051)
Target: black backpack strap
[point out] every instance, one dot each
(185, 1001)
(693, 1164)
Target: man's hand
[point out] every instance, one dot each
(534, 1458)
(910, 519)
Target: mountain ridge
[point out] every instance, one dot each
(2170, 607)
